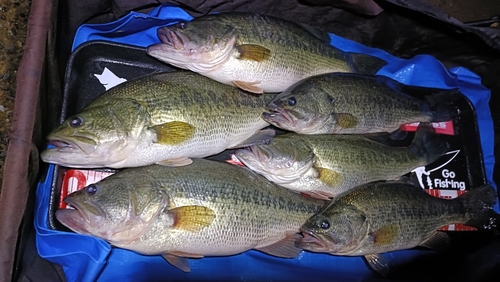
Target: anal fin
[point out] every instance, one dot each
(438, 241)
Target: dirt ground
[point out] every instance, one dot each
(13, 19)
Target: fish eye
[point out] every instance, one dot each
(331, 99)
(182, 25)
(325, 224)
(91, 189)
(292, 101)
(76, 122)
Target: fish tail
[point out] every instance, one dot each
(428, 144)
(442, 105)
(478, 204)
(364, 64)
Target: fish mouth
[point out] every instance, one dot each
(84, 145)
(81, 207)
(278, 116)
(253, 156)
(259, 153)
(171, 38)
(75, 218)
(312, 242)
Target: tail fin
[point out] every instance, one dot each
(365, 64)
(442, 105)
(478, 204)
(428, 144)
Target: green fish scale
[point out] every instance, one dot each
(416, 214)
(215, 107)
(360, 159)
(250, 211)
(385, 105)
(292, 40)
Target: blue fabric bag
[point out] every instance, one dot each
(85, 258)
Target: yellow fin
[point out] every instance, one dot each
(173, 133)
(192, 218)
(253, 52)
(248, 86)
(385, 235)
(329, 177)
(176, 162)
(346, 120)
(285, 248)
(179, 262)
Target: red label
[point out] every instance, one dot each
(445, 127)
(76, 179)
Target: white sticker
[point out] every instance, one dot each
(420, 172)
(108, 79)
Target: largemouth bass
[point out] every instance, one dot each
(254, 52)
(208, 208)
(354, 104)
(387, 216)
(165, 118)
(325, 166)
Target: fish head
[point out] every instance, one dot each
(118, 209)
(200, 46)
(99, 136)
(338, 229)
(284, 160)
(303, 108)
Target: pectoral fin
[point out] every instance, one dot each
(346, 120)
(329, 177)
(285, 248)
(260, 137)
(385, 235)
(176, 162)
(378, 263)
(322, 195)
(438, 241)
(248, 86)
(173, 133)
(192, 218)
(253, 52)
(179, 262)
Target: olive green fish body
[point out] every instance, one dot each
(157, 119)
(205, 209)
(254, 52)
(348, 104)
(329, 165)
(387, 216)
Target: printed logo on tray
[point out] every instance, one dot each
(446, 179)
(441, 181)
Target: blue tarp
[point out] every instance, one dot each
(85, 258)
